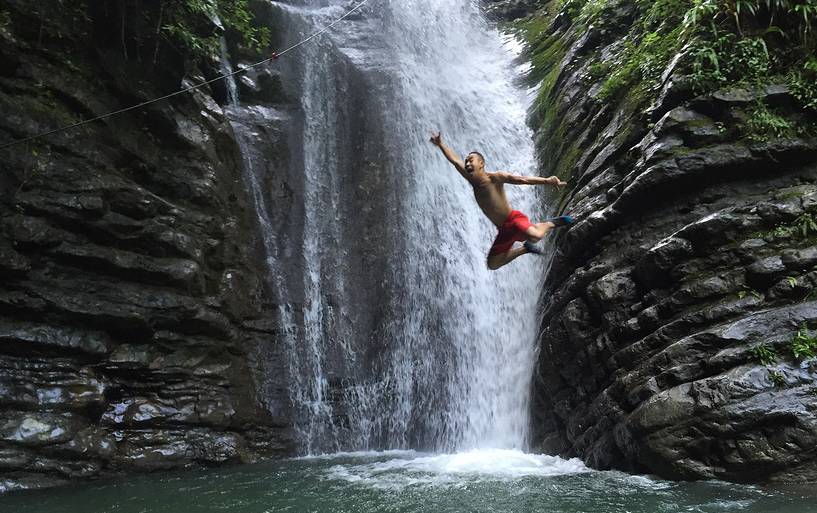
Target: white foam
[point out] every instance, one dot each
(454, 470)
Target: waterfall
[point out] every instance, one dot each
(397, 334)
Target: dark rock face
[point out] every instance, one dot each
(133, 315)
(508, 10)
(690, 253)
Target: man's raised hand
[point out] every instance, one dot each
(554, 180)
(436, 138)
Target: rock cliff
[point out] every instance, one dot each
(134, 321)
(674, 309)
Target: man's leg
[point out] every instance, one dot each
(537, 231)
(500, 259)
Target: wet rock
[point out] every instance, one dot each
(167, 449)
(115, 239)
(38, 387)
(682, 264)
(799, 258)
(185, 273)
(260, 86)
(31, 335)
(36, 429)
(12, 262)
(509, 9)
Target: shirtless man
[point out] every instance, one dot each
(489, 191)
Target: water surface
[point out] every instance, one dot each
(406, 481)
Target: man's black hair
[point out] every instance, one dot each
(479, 155)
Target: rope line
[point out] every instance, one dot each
(273, 57)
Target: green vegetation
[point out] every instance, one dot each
(803, 82)
(649, 47)
(804, 345)
(5, 19)
(806, 225)
(713, 44)
(764, 123)
(765, 354)
(748, 291)
(777, 378)
(547, 52)
(176, 24)
(743, 43)
(803, 227)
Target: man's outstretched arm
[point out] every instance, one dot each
(500, 176)
(436, 140)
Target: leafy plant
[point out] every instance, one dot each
(233, 14)
(748, 291)
(572, 8)
(5, 19)
(804, 345)
(765, 354)
(802, 82)
(591, 10)
(750, 43)
(729, 59)
(792, 281)
(803, 227)
(777, 378)
(648, 50)
(764, 123)
(806, 225)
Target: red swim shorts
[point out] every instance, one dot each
(513, 229)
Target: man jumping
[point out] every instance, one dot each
(489, 192)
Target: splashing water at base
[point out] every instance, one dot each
(452, 469)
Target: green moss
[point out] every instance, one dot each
(545, 63)
(547, 50)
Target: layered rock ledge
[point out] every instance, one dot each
(694, 253)
(134, 321)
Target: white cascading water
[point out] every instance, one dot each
(454, 74)
(446, 363)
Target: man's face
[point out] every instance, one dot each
(473, 163)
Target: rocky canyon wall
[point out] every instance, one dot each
(673, 309)
(135, 327)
